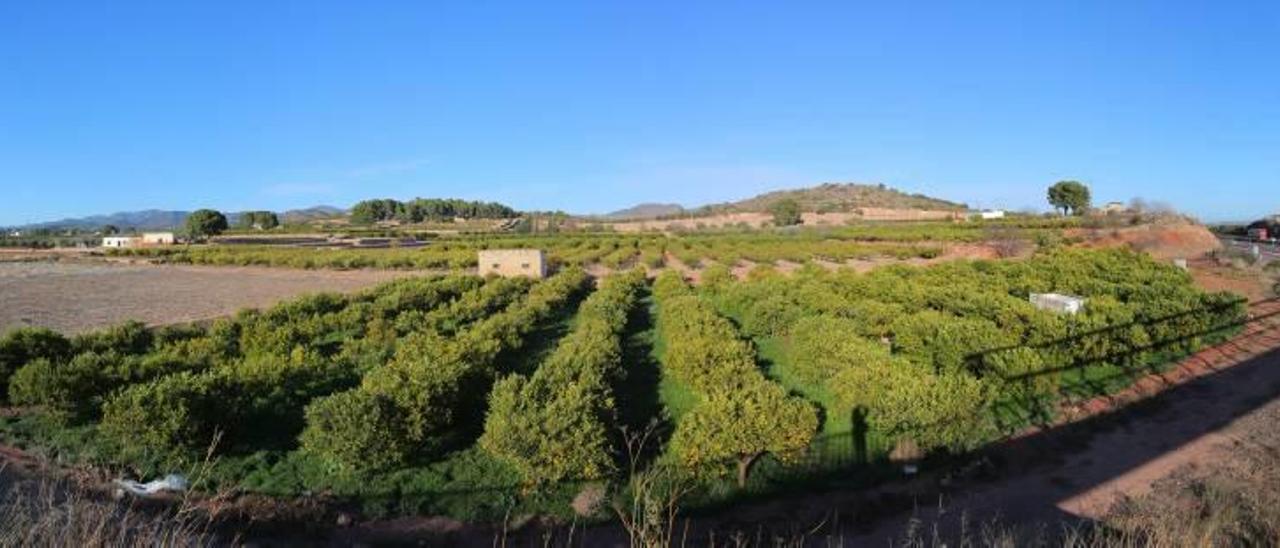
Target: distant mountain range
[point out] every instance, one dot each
(645, 211)
(825, 197)
(157, 219)
(311, 214)
(148, 219)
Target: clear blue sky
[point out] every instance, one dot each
(108, 106)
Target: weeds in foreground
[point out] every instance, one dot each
(50, 512)
(649, 505)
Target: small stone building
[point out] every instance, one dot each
(157, 238)
(513, 262)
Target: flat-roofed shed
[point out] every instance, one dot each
(513, 262)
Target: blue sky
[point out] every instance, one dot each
(594, 106)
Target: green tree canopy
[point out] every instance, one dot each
(1070, 196)
(372, 211)
(261, 220)
(785, 213)
(744, 425)
(427, 209)
(203, 223)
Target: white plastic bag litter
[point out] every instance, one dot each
(171, 482)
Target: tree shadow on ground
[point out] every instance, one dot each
(637, 390)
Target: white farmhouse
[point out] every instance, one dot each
(121, 241)
(991, 214)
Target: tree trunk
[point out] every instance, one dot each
(745, 463)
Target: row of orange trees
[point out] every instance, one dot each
(262, 380)
(561, 422)
(739, 415)
(73, 377)
(412, 407)
(950, 356)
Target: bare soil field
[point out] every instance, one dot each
(1252, 283)
(73, 297)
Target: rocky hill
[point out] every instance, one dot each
(824, 198)
(835, 197)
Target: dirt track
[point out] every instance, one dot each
(77, 296)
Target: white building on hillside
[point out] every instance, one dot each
(991, 214)
(1111, 208)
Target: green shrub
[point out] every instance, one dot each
(67, 390)
(669, 284)
(25, 344)
(165, 418)
(824, 346)
(770, 317)
(357, 431)
(947, 343)
(703, 350)
(716, 277)
(128, 338)
(948, 410)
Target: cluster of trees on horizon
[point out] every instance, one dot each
(203, 223)
(427, 209)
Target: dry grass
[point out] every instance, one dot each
(43, 512)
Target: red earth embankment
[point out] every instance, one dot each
(1162, 241)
